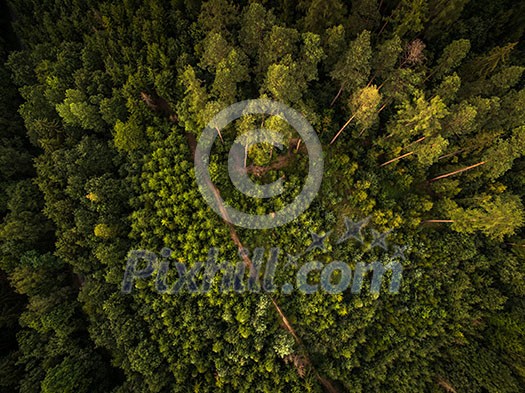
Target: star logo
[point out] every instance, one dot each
(317, 242)
(379, 239)
(292, 260)
(399, 252)
(353, 230)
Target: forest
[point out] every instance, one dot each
(419, 109)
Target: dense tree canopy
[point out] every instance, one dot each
(420, 109)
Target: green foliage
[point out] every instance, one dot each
(129, 136)
(77, 112)
(496, 216)
(353, 69)
(410, 16)
(321, 15)
(96, 143)
(364, 104)
(452, 56)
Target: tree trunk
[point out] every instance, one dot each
(458, 171)
(397, 158)
(342, 128)
(338, 94)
